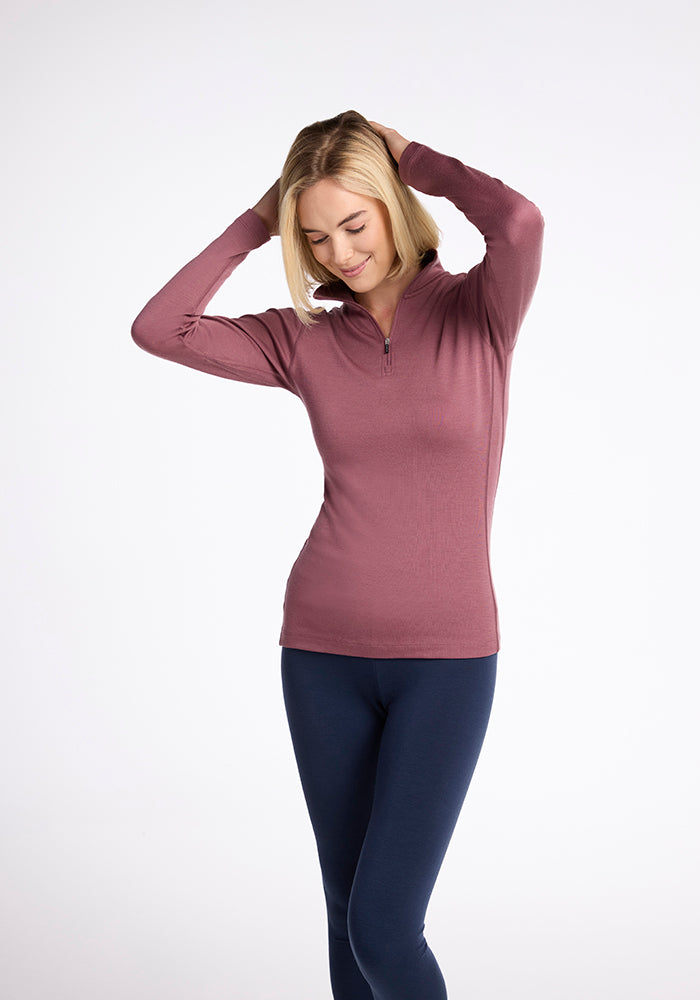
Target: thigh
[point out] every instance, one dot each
(336, 723)
(437, 716)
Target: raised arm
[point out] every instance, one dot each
(500, 288)
(257, 348)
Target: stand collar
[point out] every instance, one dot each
(340, 292)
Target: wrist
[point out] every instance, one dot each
(401, 149)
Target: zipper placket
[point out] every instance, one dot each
(387, 368)
(387, 357)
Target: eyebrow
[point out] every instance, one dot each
(348, 219)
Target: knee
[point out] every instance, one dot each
(366, 940)
(382, 941)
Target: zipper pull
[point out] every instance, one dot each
(386, 345)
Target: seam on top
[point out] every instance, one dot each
(484, 333)
(295, 348)
(247, 368)
(487, 533)
(230, 367)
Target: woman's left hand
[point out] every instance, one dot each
(394, 141)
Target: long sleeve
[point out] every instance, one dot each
(500, 288)
(257, 348)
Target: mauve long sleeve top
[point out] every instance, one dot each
(410, 428)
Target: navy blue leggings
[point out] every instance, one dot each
(385, 749)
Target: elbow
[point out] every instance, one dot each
(137, 333)
(156, 337)
(526, 225)
(532, 217)
(143, 334)
(537, 220)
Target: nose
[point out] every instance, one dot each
(342, 252)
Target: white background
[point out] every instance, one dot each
(155, 841)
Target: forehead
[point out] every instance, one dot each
(329, 202)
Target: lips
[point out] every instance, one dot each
(356, 270)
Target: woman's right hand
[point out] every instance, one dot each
(268, 208)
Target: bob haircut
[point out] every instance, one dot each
(348, 150)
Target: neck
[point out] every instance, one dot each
(383, 301)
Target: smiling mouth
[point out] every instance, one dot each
(355, 270)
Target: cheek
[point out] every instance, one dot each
(383, 242)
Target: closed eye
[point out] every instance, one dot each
(324, 238)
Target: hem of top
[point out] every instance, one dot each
(388, 651)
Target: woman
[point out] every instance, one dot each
(390, 627)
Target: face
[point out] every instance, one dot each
(349, 233)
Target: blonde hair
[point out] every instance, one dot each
(348, 150)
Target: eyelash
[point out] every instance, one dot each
(353, 231)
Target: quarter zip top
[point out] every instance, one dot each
(410, 462)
